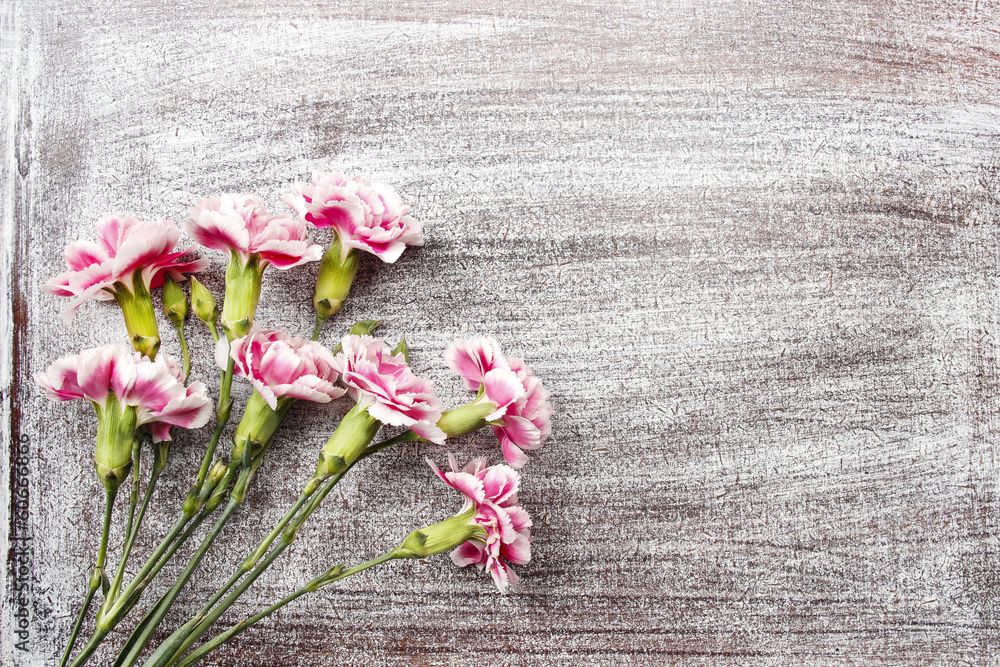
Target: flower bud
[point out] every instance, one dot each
(203, 303)
(243, 283)
(175, 304)
(355, 431)
(336, 275)
(258, 425)
(219, 492)
(115, 433)
(140, 321)
(466, 419)
(216, 474)
(441, 536)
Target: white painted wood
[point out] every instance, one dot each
(751, 247)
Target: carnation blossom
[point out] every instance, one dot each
(241, 224)
(153, 388)
(280, 365)
(492, 491)
(126, 248)
(384, 383)
(524, 420)
(365, 215)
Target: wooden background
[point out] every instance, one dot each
(751, 247)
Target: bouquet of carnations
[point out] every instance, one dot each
(140, 394)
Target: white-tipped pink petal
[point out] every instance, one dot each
(473, 359)
(469, 553)
(241, 224)
(154, 389)
(492, 491)
(367, 216)
(525, 419)
(387, 387)
(503, 388)
(281, 365)
(124, 247)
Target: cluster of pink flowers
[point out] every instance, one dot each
(364, 215)
(525, 417)
(384, 383)
(154, 388)
(241, 224)
(492, 491)
(124, 246)
(279, 365)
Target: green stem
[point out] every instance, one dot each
(146, 635)
(131, 534)
(76, 626)
(97, 577)
(139, 630)
(133, 498)
(222, 413)
(187, 634)
(405, 436)
(255, 557)
(184, 349)
(320, 321)
(106, 621)
(315, 584)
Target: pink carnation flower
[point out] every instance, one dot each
(493, 492)
(241, 223)
(153, 388)
(367, 216)
(123, 247)
(525, 418)
(388, 388)
(279, 365)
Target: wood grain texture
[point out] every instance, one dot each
(751, 247)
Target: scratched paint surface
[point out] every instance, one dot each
(751, 247)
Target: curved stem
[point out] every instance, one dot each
(315, 584)
(97, 577)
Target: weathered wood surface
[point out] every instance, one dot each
(751, 247)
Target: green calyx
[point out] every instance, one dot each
(258, 425)
(243, 283)
(175, 304)
(441, 536)
(137, 307)
(355, 431)
(116, 427)
(336, 275)
(466, 419)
